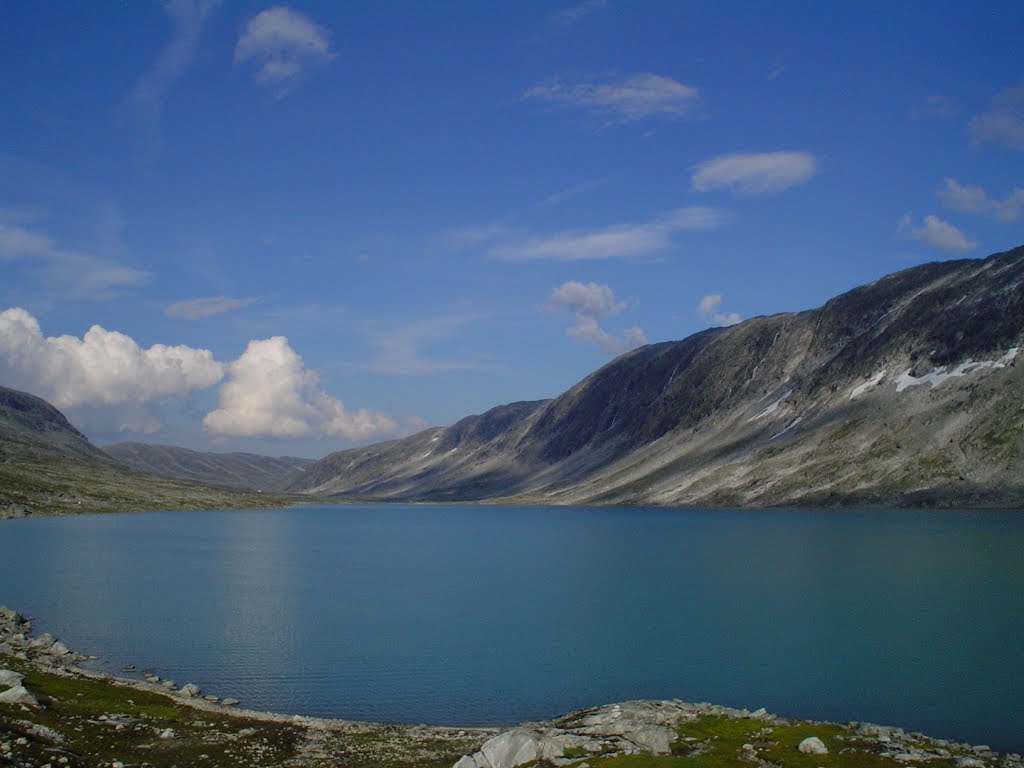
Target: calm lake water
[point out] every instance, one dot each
(478, 614)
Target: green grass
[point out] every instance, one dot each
(73, 707)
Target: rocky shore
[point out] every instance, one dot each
(55, 713)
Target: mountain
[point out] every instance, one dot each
(235, 470)
(49, 467)
(907, 390)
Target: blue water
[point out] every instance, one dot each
(477, 614)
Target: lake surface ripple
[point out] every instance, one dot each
(494, 615)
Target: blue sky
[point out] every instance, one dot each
(297, 228)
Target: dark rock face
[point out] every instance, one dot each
(234, 470)
(904, 390)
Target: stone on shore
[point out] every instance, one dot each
(10, 678)
(812, 745)
(190, 690)
(19, 694)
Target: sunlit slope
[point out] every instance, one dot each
(905, 390)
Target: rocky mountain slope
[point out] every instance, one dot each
(236, 470)
(906, 390)
(49, 467)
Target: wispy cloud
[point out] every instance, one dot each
(621, 241)
(976, 200)
(1004, 121)
(708, 309)
(937, 105)
(935, 232)
(401, 351)
(590, 303)
(68, 272)
(282, 44)
(194, 309)
(576, 13)
(189, 17)
(575, 191)
(757, 173)
(624, 100)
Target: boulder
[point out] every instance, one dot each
(9, 678)
(190, 690)
(812, 745)
(511, 748)
(18, 695)
(59, 649)
(42, 643)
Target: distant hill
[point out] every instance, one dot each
(49, 467)
(907, 390)
(29, 422)
(237, 470)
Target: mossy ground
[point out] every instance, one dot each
(96, 722)
(719, 742)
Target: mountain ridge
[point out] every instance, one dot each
(874, 381)
(232, 469)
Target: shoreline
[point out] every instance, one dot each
(656, 728)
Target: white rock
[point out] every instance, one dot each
(969, 762)
(511, 748)
(59, 649)
(18, 695)
(812, 745)
(190, 690)
(9, 678)
(465, 762)
(167, 733)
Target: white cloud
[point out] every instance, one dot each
(70, 272)
(633, 98)
(103, 368)
(935, 232)
(615, 242)
(757, 173)
(189, 17)
(1004, 121)
(282, 43)
(590, 302)
(976, 200)
(708, 309)
(270, 392)
(586, 298)
(194, 309)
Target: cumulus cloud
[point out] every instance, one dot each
(625, 100)
(591, 302)
(103, 368)
(72, 273)
(758, 173)
(708, 309)
(1004, 121)
(195, 309)
(270, 392)
(615, 242)
(189, 18)
(282, 44)
(976, 200)
(935, 232)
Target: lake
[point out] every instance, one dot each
(472, 614)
